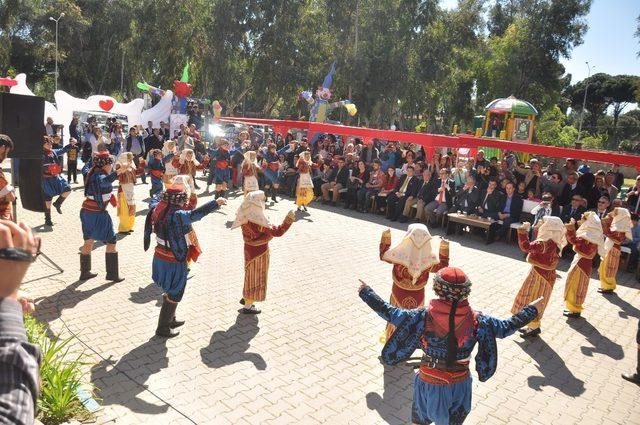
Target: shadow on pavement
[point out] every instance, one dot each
(626, 310)
(397, 392)
(555, 372)
(149, 293)
(50, 308)
(600, 343)
(228, 347)
(125, 380)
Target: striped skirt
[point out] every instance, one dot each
(539, 283)
(256, 273)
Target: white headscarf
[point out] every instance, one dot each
(552, 228)
(252, 210)
(125, 159)
(168, 147)
(250, 157)
(591, 230)
(621, 223)
(185, 182)
(414, 251)
(183, 156)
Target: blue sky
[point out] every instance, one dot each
(609, 43)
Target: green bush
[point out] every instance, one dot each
(61, 377)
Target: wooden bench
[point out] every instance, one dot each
(459, 220)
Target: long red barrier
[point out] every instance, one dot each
(438, 140)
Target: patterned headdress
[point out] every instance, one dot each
(101, 159)
(252, 210)
(452, 284)
(175, 195)
(414, 251)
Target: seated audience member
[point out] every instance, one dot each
(509, 214)
(633, 197)
(618, 179)
(322, 177)
(554, 185)
(545, 208)
(358, 176)
(388, 186)
(468, 197)
(459, 175)
(633, 243)
(20, 360)
(491, 201)
(574, 210)
(425, 194)
(602, 208)
(407, 187)
(504, 172)
(371, 186)
(370, 153)
(611, 189)
(445, 192)
(522, 190)
(570, 189)
(482, 177)
(338, 179)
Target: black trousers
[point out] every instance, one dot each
(72, 170)
(395, 205)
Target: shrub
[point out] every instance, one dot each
(61, 377)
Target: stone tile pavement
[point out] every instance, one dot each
(311, 357)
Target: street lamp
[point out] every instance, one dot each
(51, 18)
(584, 101)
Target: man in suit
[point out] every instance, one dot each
(338, 178)
(370, 153)
(633, 197)
(571, 188)
(443, 201)
(407, 187)
(468, 197)
(491, 201)
(135, 145)
(602, 209)
(426, 192)
(574, 210)
(509, 213)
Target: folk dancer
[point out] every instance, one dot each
(96, 221)
(617, 228)
(171, 222)
(543, 254)
(446, 330)
(220, 167)
(126, 169)
(413, 259)
(272, 171)
(169, 153)
(7, 191)
(156, 171)
(249, 171)
(185, 181)
(186, 163)
(635, 376)
(587, 241)
(304, 189)
(256, 233)
(53, 184)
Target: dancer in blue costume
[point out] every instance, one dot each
(272, 170)
(171, 223)
(53, 184)
(96, 221)
(446, 330)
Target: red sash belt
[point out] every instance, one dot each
(91, 205)
(157, 173)
(274, 166)
(221, 163)
(52, 170)
(165, 254)
(442, 377)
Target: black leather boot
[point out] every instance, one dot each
(58, 203)
(85, 267)
(111, 260)
(47, 218)
(167, 312)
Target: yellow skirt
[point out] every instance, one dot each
(575, 289)
(304, 196)
(609, 269)
(126, 213)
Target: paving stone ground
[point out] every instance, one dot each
(311, 357)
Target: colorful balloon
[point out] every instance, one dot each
(8, 81)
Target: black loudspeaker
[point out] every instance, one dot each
(21, 118)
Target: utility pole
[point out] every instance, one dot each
(122, 75)
(355, 44)
(584, 101)
(51, 18)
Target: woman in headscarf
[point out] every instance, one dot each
(172, 221)
(250, 171)
(169, 153)
(304, 190)
(413, 259)
(126, 200)
(616, 227)
(543, 254)
(256, 233)
(587, 241)
(96, 221)
(446, 330)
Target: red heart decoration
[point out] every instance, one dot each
(106, 105)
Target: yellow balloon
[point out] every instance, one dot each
(351, 109)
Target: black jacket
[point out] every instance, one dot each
(567, 193)
(340, 175)
(412, 187)
(451, 191)
(493, 203)
(516, 207)
(567, 215)
(426, 192)
(374, 155)
(472, 198)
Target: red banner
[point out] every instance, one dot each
(430, 141)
